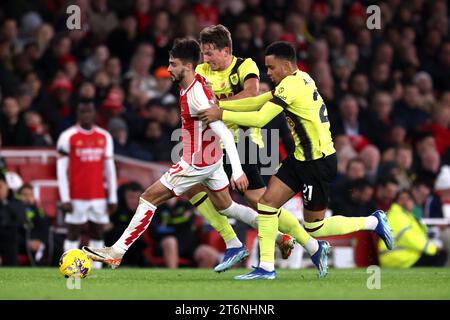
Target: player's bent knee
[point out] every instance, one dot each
(221, 200)
(253, 196)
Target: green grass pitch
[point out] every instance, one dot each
(193, 284)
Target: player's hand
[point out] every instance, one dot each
(240, 183)
(208, 86)
(211, 114)
(67, 207)
(112, 207)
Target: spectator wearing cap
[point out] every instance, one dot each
(68, 65)
(111, 107)
(122, 144)
(30, 24)
(164, 85)
(13, 128)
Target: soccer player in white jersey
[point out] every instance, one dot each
(85, 160)
(201, 161)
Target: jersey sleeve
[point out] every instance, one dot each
(63, 143)
(109, 149)
(201, 69)
(286, 92)
(247, 70)
(198, 99)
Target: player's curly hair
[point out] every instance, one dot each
(187, 50)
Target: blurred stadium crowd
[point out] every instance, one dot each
(387, 91)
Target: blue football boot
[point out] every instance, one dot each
(320, 258)
(258, 274)
(383, 230)
(231, 257)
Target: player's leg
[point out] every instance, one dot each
(152, 197)
(198, 198)
(222, 201)
(256, 188)
(316, 178)
(72, 240)
(268, 209)
(96, 232)
(75, 221)
(283, 186)
(98, 217)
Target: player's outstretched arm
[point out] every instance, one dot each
(256, 119)
(225, 135)
(246, 104)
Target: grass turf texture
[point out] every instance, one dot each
(192, 284)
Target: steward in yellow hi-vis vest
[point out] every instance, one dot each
(412, 245)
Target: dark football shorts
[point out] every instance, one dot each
(311, 178)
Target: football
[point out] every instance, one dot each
(75, 263)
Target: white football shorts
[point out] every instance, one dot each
(182, 176)
(95, 210)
